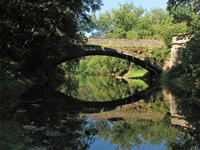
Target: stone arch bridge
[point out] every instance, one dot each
(119, 48)
(131, 51)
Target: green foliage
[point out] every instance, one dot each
(161, 54)
(35, 33)
(102, 24)
(116, 33)
(104, 65)
(190, 55)
(167, 30)
(136, 23)
(100, 88)
(136, 72)
(188, 70)
(160, 106)
(139, 34)
(185, 10)
(126, 16)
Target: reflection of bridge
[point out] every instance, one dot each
(49, 98)
(115, 109)
(112, 105)
(94, 48)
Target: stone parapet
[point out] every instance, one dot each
(126, 42)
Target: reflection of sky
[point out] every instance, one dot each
(100, 144)
(152, 147)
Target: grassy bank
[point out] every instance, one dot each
(179, 75)
(137, 73)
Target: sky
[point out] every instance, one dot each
(146, 4)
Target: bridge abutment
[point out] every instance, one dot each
(179, 42)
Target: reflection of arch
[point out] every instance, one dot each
(98, 50)
(111, 105)
(48, 98)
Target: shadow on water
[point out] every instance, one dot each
(45, 119)
(46, 97)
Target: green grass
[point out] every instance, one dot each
(137, 73)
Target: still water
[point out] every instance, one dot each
(100, 88)
(98, 113)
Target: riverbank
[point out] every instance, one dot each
(12, 86)
(134, 73)
(180, 78)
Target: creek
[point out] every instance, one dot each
(99, 112)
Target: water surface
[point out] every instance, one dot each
(100, 88)
(41, 118)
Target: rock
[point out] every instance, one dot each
(52, 133)
(28, 140)
(35, 105)
(46, 142)
(63, 121)
(30, 127)
(21, 111)
(37, 148)
(42, 128)
(35, 100)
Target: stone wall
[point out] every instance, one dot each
(126, 42)
(179, 41)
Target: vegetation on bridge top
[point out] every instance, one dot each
(131, 22)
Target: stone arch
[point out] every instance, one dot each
(154, 72)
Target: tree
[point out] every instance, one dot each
(193, 3)
(185, 10)
(133, 22)
(33, 33)
(117, 23)
(102, 24)
(124, 19)
(188, 10)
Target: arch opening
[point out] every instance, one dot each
(154, 72)
(103, 65)
(83, 83)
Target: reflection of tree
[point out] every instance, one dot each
(100, 88)
(131, 133)
(69, 86)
